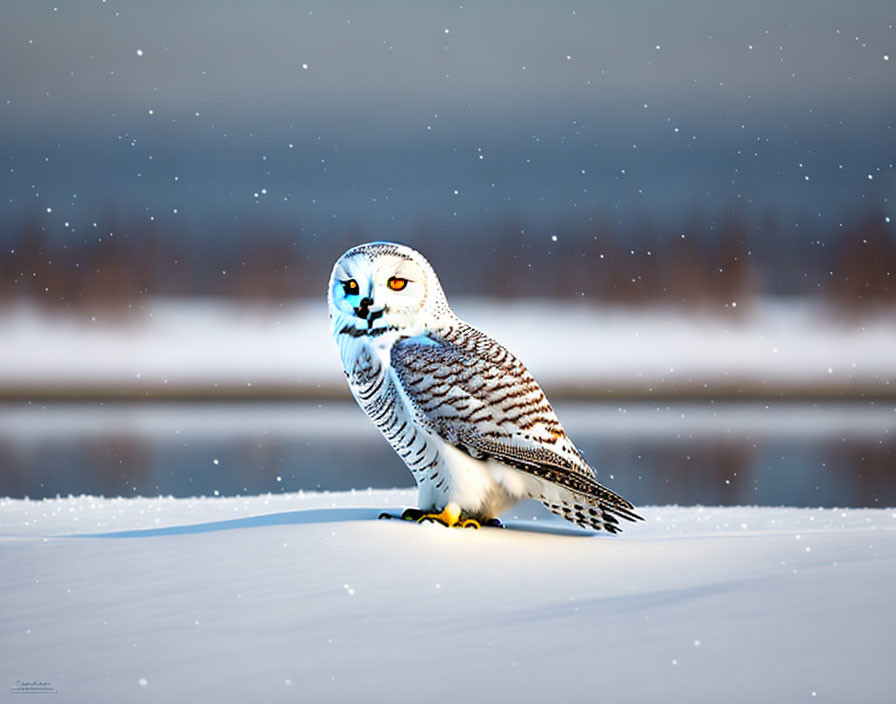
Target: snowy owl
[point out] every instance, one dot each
(467, 418)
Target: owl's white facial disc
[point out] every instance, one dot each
(381, 287)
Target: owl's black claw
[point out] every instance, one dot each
(409, 514)
(493, 523)
(412, 514)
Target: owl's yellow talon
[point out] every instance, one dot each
(449, 516)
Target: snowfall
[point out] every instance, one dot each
(308, 597)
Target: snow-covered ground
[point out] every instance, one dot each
(305, 598)
(170, 344)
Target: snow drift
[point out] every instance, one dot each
(306, 597)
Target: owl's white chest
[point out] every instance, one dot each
(442, 472)
(482, 488)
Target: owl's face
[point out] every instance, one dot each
(381, 286)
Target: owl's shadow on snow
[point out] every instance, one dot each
(310, 516)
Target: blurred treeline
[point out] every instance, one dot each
(702, 262)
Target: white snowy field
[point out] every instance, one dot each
(580, 348)
(306, 598)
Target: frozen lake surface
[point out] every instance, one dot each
(792, 454)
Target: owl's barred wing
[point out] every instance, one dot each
(476, 394)
(478, 397)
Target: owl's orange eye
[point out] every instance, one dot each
(396, 283)
(350, 287)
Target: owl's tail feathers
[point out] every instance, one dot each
(614, 503)
(598, 517)
(597, 507)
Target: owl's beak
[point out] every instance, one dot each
(363, 308)
(363, 311)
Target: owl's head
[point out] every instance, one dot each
(383, 286)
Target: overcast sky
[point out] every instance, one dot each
(142, 106)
